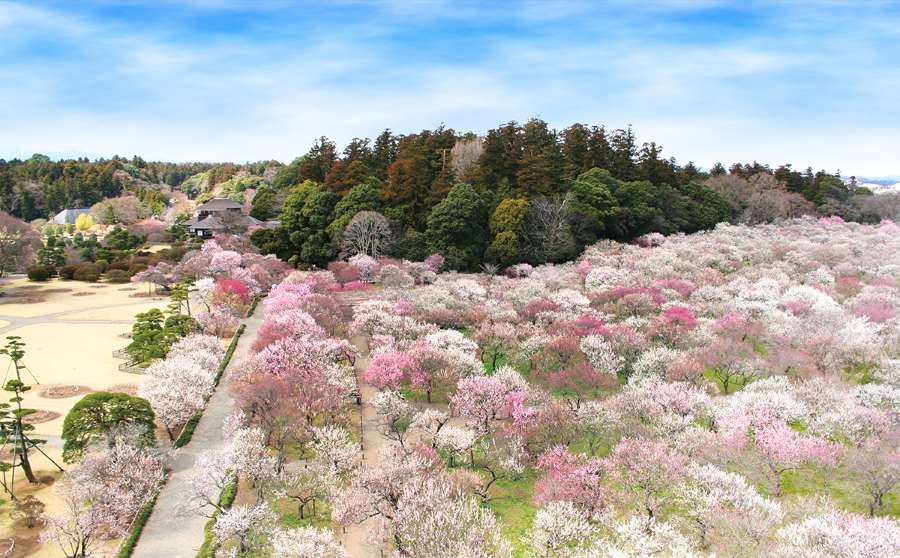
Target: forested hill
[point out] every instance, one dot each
(531, 193)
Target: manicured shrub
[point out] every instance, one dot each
(51, 269)
(123, 266)
(88, 272)
(117, 276)
(68, 272)
(102, 264)
(38, 274)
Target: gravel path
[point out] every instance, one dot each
(167, 536)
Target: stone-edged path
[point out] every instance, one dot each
(167, 536)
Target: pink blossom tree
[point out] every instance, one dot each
(782, 449)
(481, 399)
(574, 478)
(388, 370)
(647, 472)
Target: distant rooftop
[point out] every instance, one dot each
(219, 204)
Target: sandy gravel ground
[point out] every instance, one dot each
(71, 349)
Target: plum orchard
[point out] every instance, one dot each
(734, 392)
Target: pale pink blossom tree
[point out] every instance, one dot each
(437, 519)
(647, 472)
(100, 497)
(306, 542)
(481, 399)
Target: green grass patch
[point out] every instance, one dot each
(512, 501)
(290, 515)
(490, 368)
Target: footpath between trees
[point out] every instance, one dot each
(168, 536)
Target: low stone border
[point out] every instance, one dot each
(121, 353)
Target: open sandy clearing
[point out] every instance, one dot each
(63, 296)
(118, 312)
(70, 354)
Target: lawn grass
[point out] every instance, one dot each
(512, 501)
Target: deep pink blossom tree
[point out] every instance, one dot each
(575, 478)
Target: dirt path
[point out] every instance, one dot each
(167, 536)
(355, 537)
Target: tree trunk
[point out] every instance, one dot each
(26, 465)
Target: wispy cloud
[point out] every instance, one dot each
(777, 82)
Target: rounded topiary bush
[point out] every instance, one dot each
(38, 274)
(89, 273)
(102, 264)
(51, 269)
(117, 276)
(68, 272)
(118, 265)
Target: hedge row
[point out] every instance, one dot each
(253, 306)
(188, 430)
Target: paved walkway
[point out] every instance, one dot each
(167, 536)
(17, 322)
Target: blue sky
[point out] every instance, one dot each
(807, 83)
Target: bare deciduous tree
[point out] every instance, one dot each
(367, 233)
(546, 234)
(465, 153)
(17, 239)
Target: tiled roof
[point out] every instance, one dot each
(207, 224)
(219, 204)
